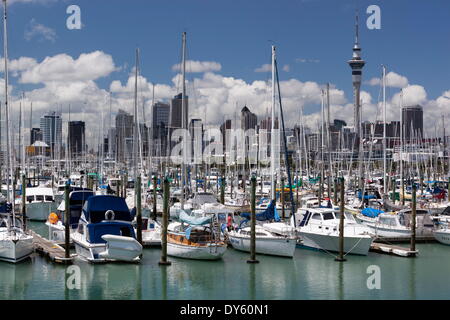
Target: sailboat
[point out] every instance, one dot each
(15, 244)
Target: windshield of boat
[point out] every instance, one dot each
(328, 216)
(202, 198)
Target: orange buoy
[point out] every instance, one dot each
(53, 218)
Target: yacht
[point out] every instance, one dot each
(40, 202)
(105, 232)
(318, 228)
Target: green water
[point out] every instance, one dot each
(309, 275)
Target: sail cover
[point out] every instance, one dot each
(194, 221)
(371, 212)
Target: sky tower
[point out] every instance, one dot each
(357, 63)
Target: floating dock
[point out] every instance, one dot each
(53, 251)
(392, 249)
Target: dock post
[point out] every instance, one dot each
(67, 220)
(118, 188)
(341, 222)
(222, 190)
(253, 224)
(336, 179)
(155, 185)
(320, 189)
(283, 214)
(164, 261)
(448, 189)
(24, 201)
(138, 209)
(413, 219)
(125, 185)
(393, 190)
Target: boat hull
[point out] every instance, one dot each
(442, 236)
(39, 211)
(273, 246)
(358, 245)
(15, 250)
(209, 252)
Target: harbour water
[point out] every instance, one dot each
(309, 275)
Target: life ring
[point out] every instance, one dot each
(109, 215)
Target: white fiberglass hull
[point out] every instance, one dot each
(210, 252)
(151, 237)
(117, 248)
(284, 247)
(443, 236)
(15, 248)
(40, 210)
(359, 245)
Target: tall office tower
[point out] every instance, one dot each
(249, 120)
(124, 132)
(176, 115)
(412, 122)
(76, 138)
(35, 135)
(160, 124)
(51, 127)
(357, 64)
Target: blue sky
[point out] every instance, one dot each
(313, 37)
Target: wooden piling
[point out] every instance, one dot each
(341, 258)
(253, 224)
(222, 190)
(137, 194)
(155, 185)
(67, 221)
(165, 222)
(413, 219)
(24, 201)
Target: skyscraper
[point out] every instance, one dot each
(160, 124)
(357, 64)
(249, 120)
(35, 135)
(412, 122)
(176, 115)
(124, 132)
(76, 138)
(51, 127)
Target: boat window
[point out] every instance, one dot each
(316, 216)
(39, 198)
(388, 221)
(30, 198)
(328, 216)
(81, 229)
(260, 234)
(125, 232)
(48, 198)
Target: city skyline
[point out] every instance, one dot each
(60, 76)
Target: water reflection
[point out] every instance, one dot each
(15, 279)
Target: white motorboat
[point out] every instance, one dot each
(318, 228)
(105, 232)
(40, 202)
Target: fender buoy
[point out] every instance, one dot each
(53, 218)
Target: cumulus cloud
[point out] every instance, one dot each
(63, 68)
(264, 68)
(39, 31)
(393, 80)
(198, 66)
(303, 60)
(286, 68)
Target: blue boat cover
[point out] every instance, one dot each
(117, 228)
(95, 207)
(371, 196)
(371, 212)
(269, 214)
(184, 217)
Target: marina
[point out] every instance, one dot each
(134, 190)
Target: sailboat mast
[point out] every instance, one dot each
(184, 121)
(136, 125)
(384, 132)
(272, 131)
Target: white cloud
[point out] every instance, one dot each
(264, 68)
(63, 68)
(39, 31)
(303, 60)
(199, 66)
(286, 68)
(393, 80)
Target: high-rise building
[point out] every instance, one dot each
(160, 124)
(412, 117)
(35, 135)
(124, 133)
(357, 64)
(176, 115)
(249, 120)
(51, 127)
(76, 138)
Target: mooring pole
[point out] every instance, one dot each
(138, 209)
(24, 198)
(341, 222)
(336, 179)
(67, 220)
(253, 224)
(222, 190)
(155, 186)
(164, 261)
(413, 219)
(118, 188)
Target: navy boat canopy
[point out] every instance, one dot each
(95, 207)
(268, 214)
